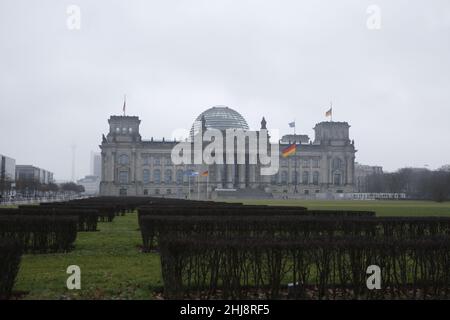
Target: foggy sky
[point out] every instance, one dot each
(280, 59)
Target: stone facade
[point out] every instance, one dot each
(133, 166)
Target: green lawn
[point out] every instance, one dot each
(113, 268)
(382, 208)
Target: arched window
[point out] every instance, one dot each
(284, 177)
(157, 161)
(146, 176)
(316, 178)
(157, 176)
(305, 177)
(180, 176)
(337, 179)
(124, 159)
(168, 176)
(337, 163)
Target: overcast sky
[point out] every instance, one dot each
(284, 60)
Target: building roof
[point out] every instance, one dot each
(221, 118)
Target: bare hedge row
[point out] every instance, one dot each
(40, 234)
(315, 269)
(288, 227)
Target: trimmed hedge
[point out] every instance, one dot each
(87, 218)
(10, 256)
(316, 269)
(288, 227)
(40, 234)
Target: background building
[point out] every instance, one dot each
(362, 172)
(133, 166)
(96, 164)
(34, 174)
(91, 184)
(7, 176)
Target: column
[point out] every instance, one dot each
(218, 168)
(230, 175)
(241, 173)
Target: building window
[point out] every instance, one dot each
(123, 192)
(124, 159)
(157, 176)
(118, 130)
(179, 176)
(305, 177)
(123, 176)
(145, 192)
(124, 130)
(157, 161)
(306, 192)
(337, 163)
(169, 191)
(168, 176)
(305, 163)
(146, 176)
(130, 130)
(284, 162)
(156, 191)
(337, 179)
(315, 163)
(316, 178)
(284, 177)
(145, 160)
(168, 161)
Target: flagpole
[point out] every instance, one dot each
(331, 108)
(189, 181)
(198, 187)
(207, 185)
(124, 104)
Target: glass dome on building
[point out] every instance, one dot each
(221, 118)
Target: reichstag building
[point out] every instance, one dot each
(319, 168)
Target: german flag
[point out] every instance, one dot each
(205, 174)
(289, 150)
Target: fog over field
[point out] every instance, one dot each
(285, 60)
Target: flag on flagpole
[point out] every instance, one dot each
(289, 150)
(329, 113)
(205, 174)
(191, 173)
(292, 124)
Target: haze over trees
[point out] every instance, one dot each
(416, 183)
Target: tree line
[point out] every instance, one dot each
(421, 184)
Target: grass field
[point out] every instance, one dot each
(382, 208)
(112, 266)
